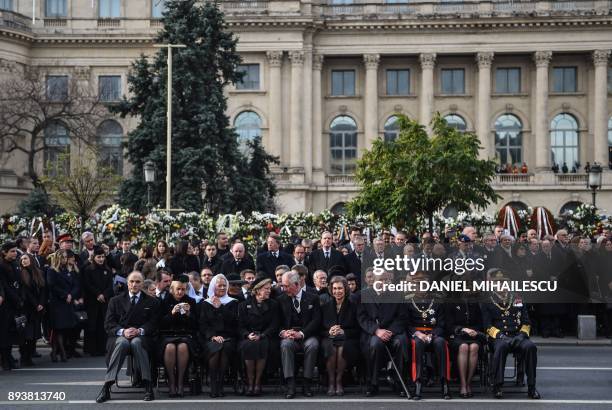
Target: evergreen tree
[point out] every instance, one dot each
(207, 165)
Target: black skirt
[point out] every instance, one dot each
(228, 347)
(350, 349)
(178, 339)
(255, 349)
(461, 339)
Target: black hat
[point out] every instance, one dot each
(7, 246)
(234, 279)
(497, 274)
(98, 250)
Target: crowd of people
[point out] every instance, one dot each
(310, 304)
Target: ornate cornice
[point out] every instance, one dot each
(542, 58)
(601, 57)
(371, 61)
(428, 60)
(317, 61)
(275, 58)
(9, 66)
(484, 59)
(296, 57)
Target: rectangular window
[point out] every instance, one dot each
(398, 82)
(109, 87)
(453, 81)
(564, 79)
(158, 7)
(6, 5)
(57, 87)
(508, 80)
(56, 8)
(343, 82)
(250, 81)
(110, 9)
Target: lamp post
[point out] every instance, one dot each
(169, 124)
(149, 176)
(594, 181)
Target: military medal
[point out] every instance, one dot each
(425, 311)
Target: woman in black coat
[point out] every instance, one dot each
(183, 261)
(466, 337)
(64, 289)
(12, 304)
(33, 286)
(340, 334)
(258, 322)
(219, 331)
(177, 327)
(97, 291)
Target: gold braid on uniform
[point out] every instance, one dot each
(493, 331)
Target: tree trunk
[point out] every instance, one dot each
(430, 218)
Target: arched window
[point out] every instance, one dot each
(569, 206)
(610, 140)
(110, 151)
(517, 206)
(391, 129)
(564, 140)
(57, 149)
(339, 209)
(248, 127)
(456, 121)
(343, 145)
(509, 139)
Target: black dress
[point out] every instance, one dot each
(259, 318)
(61, 284)
(33, 297)
(460, 315)
(347, 319)
(178, 328)
(221, 321)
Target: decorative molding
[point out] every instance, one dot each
(453, 108)
(542, 58)
(9, 66)
(484, 59)
(428, 60)
(398, 108)
(371, 61)
(82, 73)
(509, 107)
(343, 109)
(317, 61)
(275, 58)
(566, 106)
(296, 57)
(601, 57)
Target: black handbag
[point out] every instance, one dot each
(21, 321)
(81, 316)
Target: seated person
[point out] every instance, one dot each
(177, 325)
(131, 325)
(219, 331)
(382, 323)
(426, 330)
(506, 321)
(339, 335)
(300, 321)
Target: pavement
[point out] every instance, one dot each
(570, 376)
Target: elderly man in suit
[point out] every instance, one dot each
(238, 261)
(268, 261)
(300, 323)
(131, 323)
(327, 258)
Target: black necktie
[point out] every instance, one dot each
(296, 304)
(133, 300)
(326, 254)
(359, 256)
(275, 254)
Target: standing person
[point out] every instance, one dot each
(211, 260)
(89, 242)
(123, 260)
(34, 292)
(273, 257)
(97, 291)
(131, 326)
(12, 303)
(146, 263)
(33, 250)
(64, 289)
(219, 331)
(258, 322)
(327, 258)
(237, 261)
(161, 253)
(183, 260)
(340, 333)
(222, 242)
(206, 275)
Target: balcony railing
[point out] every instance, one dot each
(573, 5)
(109, 23)
(572, 179)
(513, 179)
(55, 22)
(455, 7)
(514, 6)
(341, 180)
(247, 5)
(16, 21)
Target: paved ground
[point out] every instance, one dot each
(568, 377)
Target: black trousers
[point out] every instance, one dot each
(439, 347)
(376, 355)
(527, 351)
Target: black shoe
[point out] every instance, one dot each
(148, 396)
(290, 388)
(417, 391)
(372, 391)
(497, 392)
(105, 394)
(532, 393)
(306, 389)
(445, 391)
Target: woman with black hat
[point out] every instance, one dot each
(97, 291)
(64, 289)
(258, 319)
(219, 330)
(177, 326)
(34, 292)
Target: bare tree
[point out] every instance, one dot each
(30, 103)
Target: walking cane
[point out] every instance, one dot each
(399, 376)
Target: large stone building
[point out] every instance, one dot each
(531, 78)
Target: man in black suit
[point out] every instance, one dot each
(299, 256)
(327, 258)
(89, 242)
(300, 322)
(383, 323)
(33, 248)
(131, 324)
(124, 259)
(354, 259)
(211, 259)
(268, 261)
(237, 262)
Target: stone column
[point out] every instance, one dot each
(370, 101)
(295, 125)
(484, 61)
(307, 116)
(428, 61)
(275, 126)
(600, 107)
(317, 121)
(542, 137)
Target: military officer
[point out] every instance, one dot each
(507, 324)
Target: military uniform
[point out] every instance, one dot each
(507, 323)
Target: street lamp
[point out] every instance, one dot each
(594, 181)
(149, 176)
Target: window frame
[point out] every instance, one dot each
(247, 134)
(508, 147)
(107, 150)
(110, 6)
(390, 133)
(343, 165)
(101, 94)
(564, 147)
(344, 72)
(52, 151)
(7, 5)
(49, 92)
(248, 86)
(564, 89)
(507, 89)
(397, 72)
(453, 72)
(61, 7)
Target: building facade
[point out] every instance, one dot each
(325, 78)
